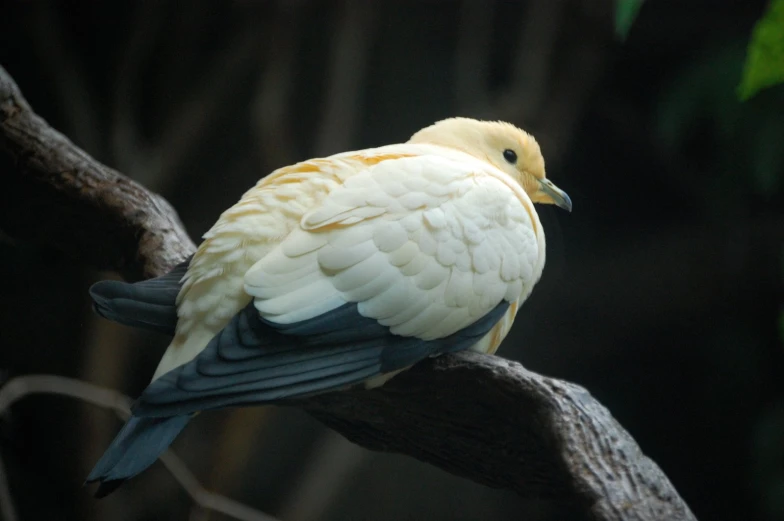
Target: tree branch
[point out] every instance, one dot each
(491, 420)
(60, 196)
(477, 416)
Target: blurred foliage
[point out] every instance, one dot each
(765, 60)
(700, 103)
(625, 13)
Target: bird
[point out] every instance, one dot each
(338, 272)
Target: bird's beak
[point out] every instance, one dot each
(548, 193)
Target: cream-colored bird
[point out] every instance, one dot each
(339, 271)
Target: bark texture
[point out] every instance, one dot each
(477, 416)
(493, 421)
(60, 196)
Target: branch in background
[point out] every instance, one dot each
(531, 72)
(563, 87)
(581, 65)
(61, 67)
(271, 103)
(187, 121)
(472, 65)
(187, 125)
(24, 386)
(477, 416)
(127, 145)
(522, 96)
(348, 65)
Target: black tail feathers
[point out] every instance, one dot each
(135, 448)
(149, 304)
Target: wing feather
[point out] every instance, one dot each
(256, 361)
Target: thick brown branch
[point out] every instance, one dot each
(60, 196)
(481, 417)
(491, 420)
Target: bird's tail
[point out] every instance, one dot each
(149, 304)
(135, 448)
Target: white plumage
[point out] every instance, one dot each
(427, 241)
(337, 271)
(426, 238)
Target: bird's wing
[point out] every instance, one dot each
(253, 361)
(425, 245)
(410, 258)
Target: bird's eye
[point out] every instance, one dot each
(510, 156)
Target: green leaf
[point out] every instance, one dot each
(625, 13)
(765, 56)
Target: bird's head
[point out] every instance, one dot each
(503, 145)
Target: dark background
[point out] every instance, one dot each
(662, 293)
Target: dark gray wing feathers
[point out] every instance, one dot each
(254, 361)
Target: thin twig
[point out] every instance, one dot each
(7, 508)
(23, 386)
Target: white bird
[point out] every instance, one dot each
(339, 271)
